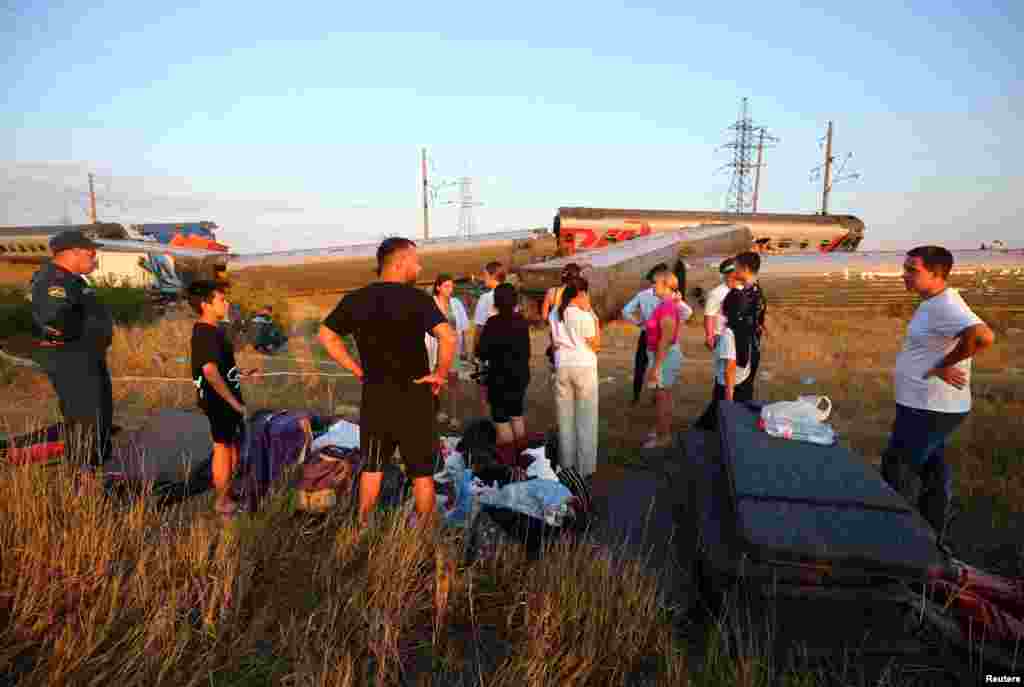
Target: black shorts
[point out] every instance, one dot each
(225, 424)
(506, 403)
(399, 416)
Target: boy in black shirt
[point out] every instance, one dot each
(216, 376)
(388, 319)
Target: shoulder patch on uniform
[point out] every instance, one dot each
(56, 292)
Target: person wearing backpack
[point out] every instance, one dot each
(733, 349)
(748, 264)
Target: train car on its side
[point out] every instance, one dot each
(580, 229)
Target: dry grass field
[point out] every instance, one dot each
(95, 591)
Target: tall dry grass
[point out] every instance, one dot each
(96, 590)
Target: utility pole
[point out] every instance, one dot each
(828, 170)
(763, 138)
(92, 200)
(829, 178)
(426, 198)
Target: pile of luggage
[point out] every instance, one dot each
(493, 493)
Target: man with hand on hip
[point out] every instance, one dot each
(932, 380)
(388, 319)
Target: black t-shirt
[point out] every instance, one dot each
(211, 345)
(388, 320)
(505, 345)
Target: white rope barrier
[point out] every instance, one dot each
(24, 362)
(263, 374)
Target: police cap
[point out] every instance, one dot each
(73, 238)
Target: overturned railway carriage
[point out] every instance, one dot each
(617, 272)
(993, 279)
(335, 270)
(580, 229)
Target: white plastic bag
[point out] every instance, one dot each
(802, 419)
(804, 408)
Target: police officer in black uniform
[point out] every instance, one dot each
(73, 332)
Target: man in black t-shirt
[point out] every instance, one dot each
(388, 319)
(218, 388)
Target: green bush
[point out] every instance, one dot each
(15, 313)
(127, 306)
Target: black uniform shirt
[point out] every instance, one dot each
(65, 311)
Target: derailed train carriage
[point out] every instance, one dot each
(617, 272)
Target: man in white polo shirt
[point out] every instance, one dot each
(713, 320)
(932, 382)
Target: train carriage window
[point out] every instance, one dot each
(804, 244)
(785, 243)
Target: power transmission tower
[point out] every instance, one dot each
(431, 189)
(824, 171)
(746, 138)
(466, 203)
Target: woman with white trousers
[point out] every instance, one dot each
(577, 339)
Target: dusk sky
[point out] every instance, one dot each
(300, 126)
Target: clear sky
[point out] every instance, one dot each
(300, 125)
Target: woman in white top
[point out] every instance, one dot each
(452, 308)
(553, 299)
(577, 339)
